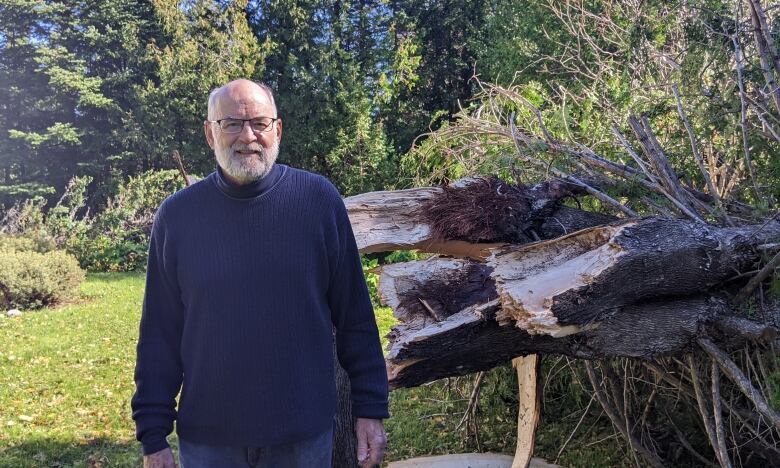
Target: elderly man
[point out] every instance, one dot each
(249, 271)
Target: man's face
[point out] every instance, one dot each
(245, 156)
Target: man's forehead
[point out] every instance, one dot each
(243, 97)
(243, 92)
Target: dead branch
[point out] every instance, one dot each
(762, 274)
(738, 377)
(619, 424)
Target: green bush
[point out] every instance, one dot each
(115, 238)
(31, 280)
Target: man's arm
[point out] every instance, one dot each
(158, 370)
(357, 338)
(357, 344)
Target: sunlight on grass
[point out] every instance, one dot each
(66, 379)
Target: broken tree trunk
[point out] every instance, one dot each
(465, 219)
(637, 288)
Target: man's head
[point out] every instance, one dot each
(243, 151)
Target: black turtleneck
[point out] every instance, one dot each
(252, 189)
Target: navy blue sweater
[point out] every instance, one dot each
(244, 286)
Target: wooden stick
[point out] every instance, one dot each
(689, 392)
(668, 178)
(697, 154)
(529, 399)
(736, 375)
(640, 162)
(649, 456)
(720, 433)
(709, 424)
(558, 173)
(768, 64)
(739, 59)
(180, 165)
(473, 400)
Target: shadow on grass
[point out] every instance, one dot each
(54, 453)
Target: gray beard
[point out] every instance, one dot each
(247, 169)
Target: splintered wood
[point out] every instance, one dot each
(529, 279)
(634, 289)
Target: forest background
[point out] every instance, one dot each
(96, 95)
(108, 89)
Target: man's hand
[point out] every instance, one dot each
(161, 459)
(371, 442)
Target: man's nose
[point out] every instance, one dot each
(247, 135)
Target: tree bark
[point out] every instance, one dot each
(639, 288)
(344, 440)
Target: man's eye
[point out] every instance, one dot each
(231, 124)
(260, 124)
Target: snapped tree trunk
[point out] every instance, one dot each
(519, 273)
(638, 288)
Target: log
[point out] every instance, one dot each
(465, 218)
(567, 296)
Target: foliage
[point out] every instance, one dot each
(114, 239)
(22, 244)
(117, 238)
(31, 280)
(109, 88)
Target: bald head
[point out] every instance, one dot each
(248, 154)
(240, 91)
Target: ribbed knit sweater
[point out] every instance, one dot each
(244, 285)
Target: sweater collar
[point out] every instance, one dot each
(250, 190)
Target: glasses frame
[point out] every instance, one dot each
(243, 122)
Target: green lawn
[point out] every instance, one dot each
(66, 382)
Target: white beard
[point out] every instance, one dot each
(247, 169)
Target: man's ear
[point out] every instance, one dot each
(279, 130)
(208, 130)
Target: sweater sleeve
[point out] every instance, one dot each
(357, 338)
(158, 370)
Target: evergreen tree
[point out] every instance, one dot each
(208, 45)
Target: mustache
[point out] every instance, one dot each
(250, 147)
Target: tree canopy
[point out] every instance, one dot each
(109, 89)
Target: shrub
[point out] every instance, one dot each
(31, 280)
(22, 244)
(116, 238)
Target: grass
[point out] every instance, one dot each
(66, 379)
(66, 383)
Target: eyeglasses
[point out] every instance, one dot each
(258, 124)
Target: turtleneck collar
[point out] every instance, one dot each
(252, 189)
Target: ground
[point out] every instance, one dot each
(66, 382)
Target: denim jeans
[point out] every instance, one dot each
(314, 452)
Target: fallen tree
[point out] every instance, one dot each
(556, 280)
(639, 288)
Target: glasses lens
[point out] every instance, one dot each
(261, 125)
(231, 125)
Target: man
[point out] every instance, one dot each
(249, 271)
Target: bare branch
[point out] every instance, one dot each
(736, 375)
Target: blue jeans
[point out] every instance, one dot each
(315, 452)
